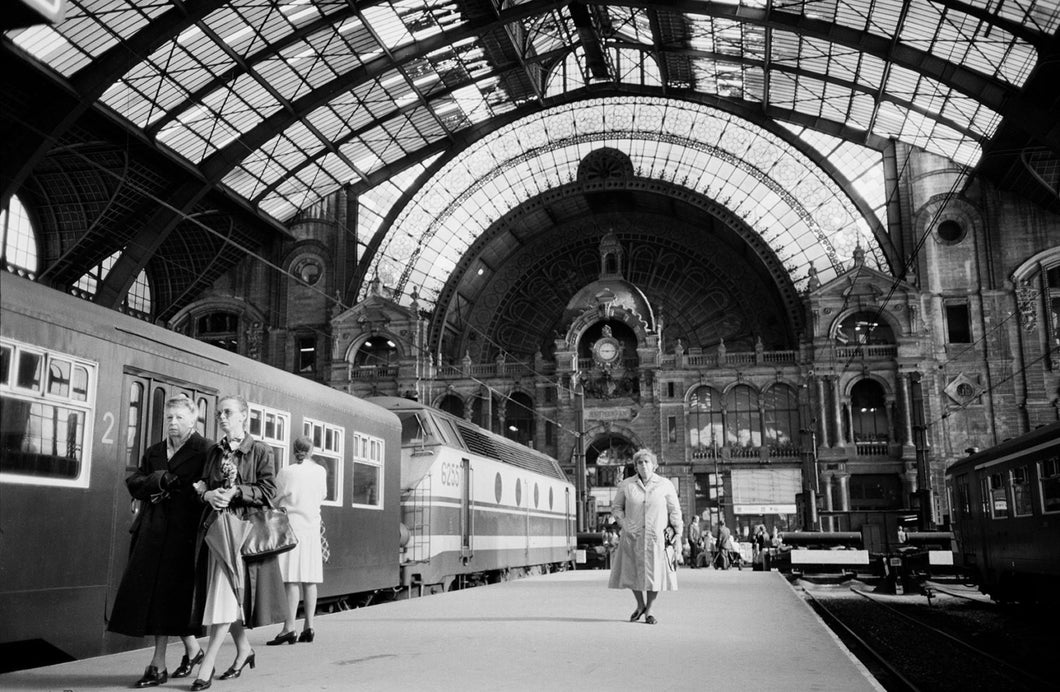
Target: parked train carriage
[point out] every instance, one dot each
(475, 503)
(82, 390)
(1006, 516)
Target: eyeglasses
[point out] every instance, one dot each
(226, 412)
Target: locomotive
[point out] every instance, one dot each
(1006, 516)
(82, 390)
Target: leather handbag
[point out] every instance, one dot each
(268, 533)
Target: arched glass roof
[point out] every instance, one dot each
(801, 213)
(283, 101)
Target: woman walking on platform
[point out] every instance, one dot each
(645, 506)
(301, 487)
(231, 594)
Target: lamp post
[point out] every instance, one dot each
(579, 460)
(718, 486)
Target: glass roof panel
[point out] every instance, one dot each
(755, 173)
(217, 79)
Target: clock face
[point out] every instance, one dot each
(606, 350)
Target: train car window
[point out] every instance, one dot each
(157, 416)
(59, 373)
(45, 435)
(5, 363)
(28, 375)
(271, 426)
(998, 496)
(964, 503)
(328, 445)
(449, 433)
(367, 471)
(1021, 491)
(80, 384)
(204, 415)
(1049, 484)
(134, 423)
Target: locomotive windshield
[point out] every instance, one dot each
(415, 430)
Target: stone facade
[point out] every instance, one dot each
(888, 382)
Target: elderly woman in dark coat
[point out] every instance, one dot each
(156, 590)
(238, 477)
(644, 506)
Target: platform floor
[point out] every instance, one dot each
(722, 630)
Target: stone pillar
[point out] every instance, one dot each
(826, 440)
(826, 498)
(837, 414)
(906, 434)
(888, 410)
(842, 492)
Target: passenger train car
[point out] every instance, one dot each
(81, 396)
(1006, 516)
(476, 505)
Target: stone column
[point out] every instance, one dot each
(842, 492)
(906, 433)
(826, 497)
(837, 414)
(821, 415)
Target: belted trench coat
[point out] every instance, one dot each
(644, 510)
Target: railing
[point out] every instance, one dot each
(867, 351)
(872, 448)
(373, 372)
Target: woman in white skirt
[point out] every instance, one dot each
(300, 489)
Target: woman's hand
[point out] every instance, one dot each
(218, 498)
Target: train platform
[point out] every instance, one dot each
(738, 630)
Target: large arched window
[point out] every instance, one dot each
(219, 328)
(606, 459)
(137, 300)
(868, 412)
(378, 351)
(743, 425)
(451, 403)
(19, 239)
(519, 419)
(780, 406)
(705, 421)
(864, 328)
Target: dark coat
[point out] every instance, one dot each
(156, 589)
(265, 600)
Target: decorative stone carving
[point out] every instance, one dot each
(1027, 299)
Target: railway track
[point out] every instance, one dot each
(907, 652)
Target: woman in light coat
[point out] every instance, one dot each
(644, 506)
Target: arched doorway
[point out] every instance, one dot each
(608, 460)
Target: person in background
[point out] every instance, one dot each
(154, 597)
(238, 477)
(694, 542)
(760, 544)
(723, 546)
(301, 487)
(645, 505)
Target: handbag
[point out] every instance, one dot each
(325, 547)
(269, 532)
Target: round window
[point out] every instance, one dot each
(950, 231)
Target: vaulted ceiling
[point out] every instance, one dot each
(185, 133)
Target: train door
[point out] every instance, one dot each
(467, 529)
(143, 424)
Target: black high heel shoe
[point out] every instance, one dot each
(283, 638)
(233, 672)
(184, 669)
(201, 684)
(306, 636)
